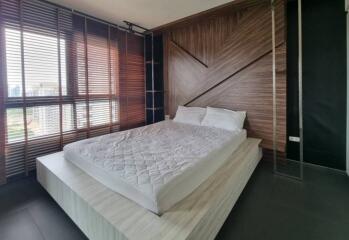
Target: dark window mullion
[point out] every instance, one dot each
(126, 80)
(86, 79)
(37, 101)
(110, 83)
(59, 80)
(3, 95)
(23, 88)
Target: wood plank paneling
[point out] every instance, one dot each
(212, 35)
(225, 61)
(182, 89)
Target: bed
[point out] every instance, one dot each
(157, 165)
(163, 181)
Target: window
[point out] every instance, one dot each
(67, 78)
(41, 61)
(41, 64)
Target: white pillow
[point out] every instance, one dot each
(223, 118)
(190, 115)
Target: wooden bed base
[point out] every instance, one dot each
(105, 215)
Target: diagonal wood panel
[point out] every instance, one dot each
(239, 67)
(183, 89)
(250, 40)
(189, 53)
(213, 28)
(251, 89)
(212, 34)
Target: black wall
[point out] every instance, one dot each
(324, 81)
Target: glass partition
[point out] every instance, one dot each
(288, 162)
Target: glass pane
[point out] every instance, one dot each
(81, 115)
(41, 64)
(13, 63)
(98, 62)
(64, 73)
(99, 65)
(42, 120)
(80, 63)
(287, 160)
(68, 117)
(15, 125)
(115, 111)
(99, 113)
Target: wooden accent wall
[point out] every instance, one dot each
(225, 60)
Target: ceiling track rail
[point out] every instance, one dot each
(131, 27)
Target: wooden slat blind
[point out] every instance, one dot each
(65, 77)
(132, 90)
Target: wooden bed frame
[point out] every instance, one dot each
(105, 215)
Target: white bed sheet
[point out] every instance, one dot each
(158, 165)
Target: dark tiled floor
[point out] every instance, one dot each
(273, 207)
(270, 207)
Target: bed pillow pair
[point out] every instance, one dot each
(211, 117)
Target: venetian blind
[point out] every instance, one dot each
(66, 77)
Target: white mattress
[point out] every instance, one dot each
(158, 165)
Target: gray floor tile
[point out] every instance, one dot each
(18, 226)
(53, 223)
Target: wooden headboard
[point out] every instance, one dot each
(224, 59)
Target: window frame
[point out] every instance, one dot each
(72, 96)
